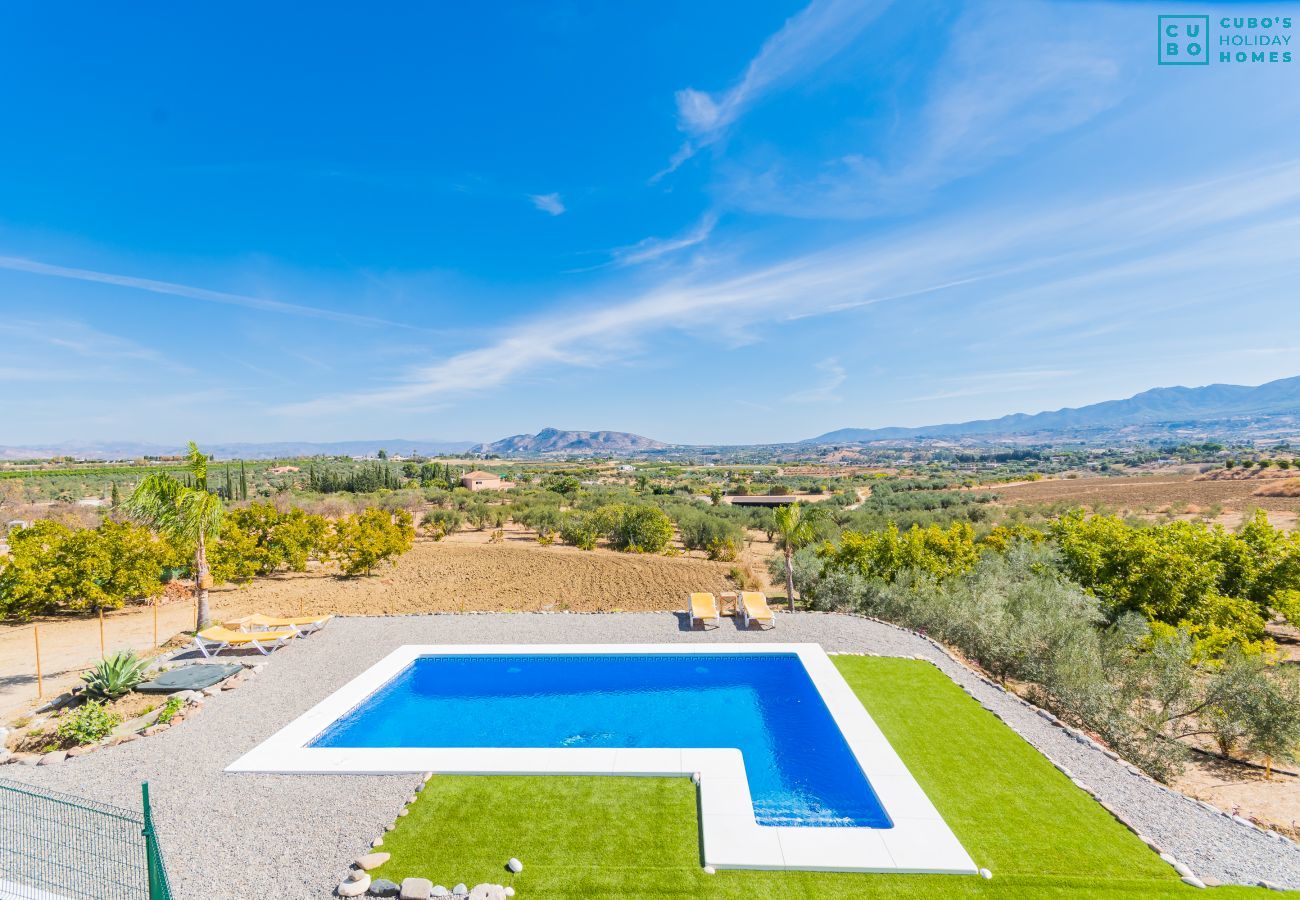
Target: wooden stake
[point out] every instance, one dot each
(155, 623)
(102, 654)
(40, 685)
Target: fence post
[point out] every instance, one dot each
(101, 633)
(40, 685)
(159, 888)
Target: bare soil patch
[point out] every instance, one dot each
(1245, 791)
(466, 572)
(1153, 494)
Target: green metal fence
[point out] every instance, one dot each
(55, 846)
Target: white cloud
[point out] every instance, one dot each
(548, 203)
(654, 248)
(989, 98)
(1005, 251)
(153, 286)
(825, 392)
(806, 40)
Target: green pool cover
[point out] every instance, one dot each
(188, 678)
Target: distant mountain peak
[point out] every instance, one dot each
(558, 441)
(1182, 412)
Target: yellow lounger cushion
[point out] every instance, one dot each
(756, 606)
(272, 622)
(704, 606)
(225, 635)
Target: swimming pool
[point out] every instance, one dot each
(799, 768)
(792, 771)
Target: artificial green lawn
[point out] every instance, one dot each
(610, 836)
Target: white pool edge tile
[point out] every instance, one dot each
(920, 840)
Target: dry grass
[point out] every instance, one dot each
(1288, 488)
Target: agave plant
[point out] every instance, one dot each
(115, 676)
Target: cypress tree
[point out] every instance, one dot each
(243, 481)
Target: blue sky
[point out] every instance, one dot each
(719, 222)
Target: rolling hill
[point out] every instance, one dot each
(555, 441)
(1211, 411)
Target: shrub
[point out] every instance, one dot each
(580, 529)
(54, 568)
(937, 552)
(362, 542)
(710, 532)
(638, 529)
(169, 710)
(545, 520)
(115, 676)
(441, 522)
(89, 723)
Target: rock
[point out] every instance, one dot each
(5, 755)
(709, 870)
(154, 729)
(128, 738)
(355, 875)
(514, 865)
(82, 750)
(1268, 885)
(371, 861)
(510, 892)
(412, 798)
(1193, 881)
(389, 827)
(377, 842)
(28, 759)
(460, 889)
(985, 874)
(1182, 869)
(439, 891)
(403, 812)
(52, 758)
(382, 887)
(4, 735)
(487, 891)
(355, 888)
(211, 691)
(416, 889)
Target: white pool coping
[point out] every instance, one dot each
(920, 840)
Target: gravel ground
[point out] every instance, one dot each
(253, 836)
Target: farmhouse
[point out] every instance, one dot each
(485, 481)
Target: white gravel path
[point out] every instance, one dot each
(253, 836)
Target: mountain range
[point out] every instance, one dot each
(555, 441)
(1218, 411)
(273, 450)
(1215, 410)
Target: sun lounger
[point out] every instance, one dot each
(211, 641)
(754, 608)
(704, 609)
(298, 625)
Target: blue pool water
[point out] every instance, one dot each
(800, 769)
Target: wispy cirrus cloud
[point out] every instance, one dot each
(986, 100)
(653, 248)
(827, 391)
(172, 289)
(806, 40)
(992, 254)
(548, 203)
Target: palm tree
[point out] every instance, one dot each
(794, 528)
(190, 515)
